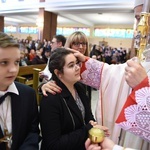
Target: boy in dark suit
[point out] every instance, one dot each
(18, 106)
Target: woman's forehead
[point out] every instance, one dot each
(70, 57)
(79, 39)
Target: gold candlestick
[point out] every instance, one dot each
(143, 29)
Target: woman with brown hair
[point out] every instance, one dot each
(66, 117)
(77, 41)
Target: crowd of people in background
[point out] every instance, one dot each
(34, 52)
(37, 52)
(108, 54)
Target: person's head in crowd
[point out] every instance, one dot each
(9, 60)
(23, 59)
(94, 47)
(44, 40)
(22, 54)
(32, 51)
(78, 41)
(47, 52)
(39, 52)
(39, 49)
(57, 41)
(97, 47)
(31, 55)
(39, 46)
(22, 47)
(63, 65)
(138, 6)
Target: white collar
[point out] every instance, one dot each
(12, 88)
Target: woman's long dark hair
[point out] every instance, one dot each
(57, 61)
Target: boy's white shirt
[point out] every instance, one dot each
(117, 147)
(5, 108)
(46, 71)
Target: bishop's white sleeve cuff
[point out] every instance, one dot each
(117, 147)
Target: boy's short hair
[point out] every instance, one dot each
(7, 41)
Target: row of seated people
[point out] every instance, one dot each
(32, 56)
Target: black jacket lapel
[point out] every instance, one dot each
(71, 103)
(16, 114)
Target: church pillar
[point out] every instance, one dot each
(2, 23)
(47, 23)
